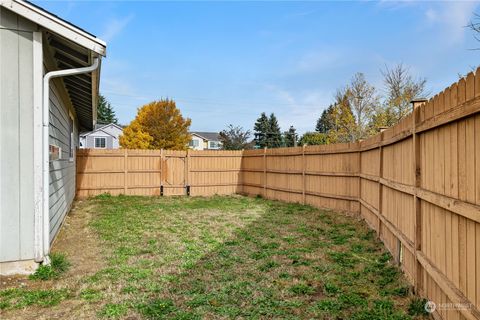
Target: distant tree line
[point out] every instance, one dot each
(266, 134)
(358, 111)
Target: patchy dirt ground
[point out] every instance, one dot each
(82, 246)
(213, 258)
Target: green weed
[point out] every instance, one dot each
(91, 295)
(113, 310)
(416, 307)
(20, 298)
(58, 265)
(302, 288)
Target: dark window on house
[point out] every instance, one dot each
(193, 143)
(214, 144)
(101, 143)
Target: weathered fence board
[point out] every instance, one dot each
(416, 184)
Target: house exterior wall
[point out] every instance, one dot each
(62, 171)
(202, 144)
(17, 131)
(90, 140)
(110, 132)
(25, 57)
(113, 130)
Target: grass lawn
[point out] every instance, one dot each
(210, 258)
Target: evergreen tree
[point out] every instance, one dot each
(290, 137)
(105, 112)
(274, 134)
(261, 129)
(324, 123)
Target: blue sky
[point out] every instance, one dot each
(226, 62)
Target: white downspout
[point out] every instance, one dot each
(46, 152)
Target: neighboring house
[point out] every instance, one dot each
(41, 113)
(205, 141)
(105, 136)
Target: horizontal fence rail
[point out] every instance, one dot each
(416, 184)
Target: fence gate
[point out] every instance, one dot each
(174, 172)
(131, 172)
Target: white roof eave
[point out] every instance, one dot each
(56, 25)
(94, 131)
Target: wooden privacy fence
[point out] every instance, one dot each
(157, 172)
(416, 184)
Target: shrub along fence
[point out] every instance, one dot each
(416, 184)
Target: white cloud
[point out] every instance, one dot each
(300, 109)
(318, 60)
(71, 5)
(452, 17)
(124, 96)
(431, 15)
(301, 14)
(115, 27)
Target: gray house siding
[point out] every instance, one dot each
(62, 171)
(110, 132)
(90, 141)
(16, 137)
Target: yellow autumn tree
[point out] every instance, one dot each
(134, 138)
(158, 125)
(344, 129)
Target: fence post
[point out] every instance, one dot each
(265, 172)
(161, 171)
(359, 175)
(125, 171)
(303, 175)
(418, 277)
(187, 170)
(380, 184)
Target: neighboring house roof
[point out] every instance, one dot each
(211, 136)
(96, 131)
(101, 125)
(100, 128)
(70, 47)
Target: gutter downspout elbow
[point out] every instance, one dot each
(43, 249)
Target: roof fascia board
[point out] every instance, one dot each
(114, 125)
(92, 132)
(56, 25)
(199, 136)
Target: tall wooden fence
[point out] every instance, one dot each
(157, 172)
(416, 184)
